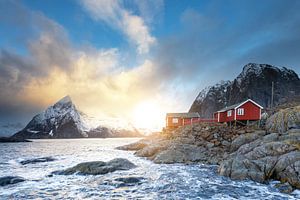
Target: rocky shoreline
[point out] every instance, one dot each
(246, 153)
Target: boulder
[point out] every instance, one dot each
(127, 181)
(181, 153)
(98, 167)
(284, 120)
(7, 180)
(152, 149)
(37, 160)
(268, 157)
(246, 138)
(284, 187)
(170, 156)
(134, 146)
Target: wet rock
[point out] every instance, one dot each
(7, 180)
(267, 157)
(134, 146)
(284, 187)
(170, 156)
(37, 160)
(124, 181)
(12, 140)
(129, 179)
(98, 167)
(151, 150)
(181, 153)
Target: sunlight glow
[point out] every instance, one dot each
(149, 116)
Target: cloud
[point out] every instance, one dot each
(95, 78)
(150, 11)
(114, 14)
(182, 63)
(209, 41)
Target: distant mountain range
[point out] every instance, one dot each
(254, 82)
(7, 129)
(63, 120)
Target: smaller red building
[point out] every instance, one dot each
(246, 111)
(175, 120)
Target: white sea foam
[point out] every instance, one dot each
(161, 181)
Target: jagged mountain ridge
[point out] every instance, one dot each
(254, 82)
(64, 120)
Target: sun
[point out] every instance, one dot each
(148, 115)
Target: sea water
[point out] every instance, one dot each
(158, 181)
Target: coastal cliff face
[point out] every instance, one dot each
(254, 82)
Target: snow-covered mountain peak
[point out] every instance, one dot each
(63, 120)
(64, 100)
(203, 93)
(62, 108)
(58, 119)
(254, 69)
(218, 87)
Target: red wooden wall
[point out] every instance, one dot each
(251, 112)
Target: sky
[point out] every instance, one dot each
(119, 58)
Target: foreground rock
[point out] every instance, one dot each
(7, 180)
(244, 153)
(98, 167)
(37, 160)
(206, 143)
(284, 120)
(128, 181)
(12, 140)
(271, 156)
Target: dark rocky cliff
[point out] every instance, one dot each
(254, 82)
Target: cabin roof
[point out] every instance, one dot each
(235, 106)
(184, 115)
(229, 107)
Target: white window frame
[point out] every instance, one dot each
(175, 120)
(229, 113)
(240, 111)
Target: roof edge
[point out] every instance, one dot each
(239, 105)
(248, 101)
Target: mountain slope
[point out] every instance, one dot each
(62, 120)
(254, 82)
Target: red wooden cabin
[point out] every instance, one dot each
(175, 120)
(246, 111)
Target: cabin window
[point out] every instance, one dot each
(240, 111)
(229, 113)
(175, 120)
